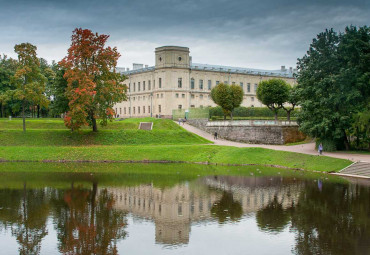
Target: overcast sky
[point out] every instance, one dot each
(245, 33)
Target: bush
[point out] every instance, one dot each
(250, 112)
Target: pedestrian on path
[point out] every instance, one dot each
(215, 135)
(320, 149)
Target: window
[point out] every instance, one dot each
(255, 86)
(160, 83)
(217, 82)
(159, 108)
(143, 85)
(134, 87)
(153, 84)
(180, 107)
(241, 85)
(129, 87)
(209, 84)
(157, 95)
(179, 83)
(248, 87)
(124, 110)
(133, 98)
(179, 210)
(148, 109)
(161, 95)
(192, 83)
(200, 84)
(252, 99)
(138, 109)
(201, 96)
(143, 97)
(116, 111)
(120, 110)
(192, 96)
(192, 106)
(143, 109)
(134, 110)
(177, 95)
(149, 86)
(183, 95)
(129, 110)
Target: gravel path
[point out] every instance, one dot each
(307, 148)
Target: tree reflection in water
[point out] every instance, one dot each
(227, 208)
(87, 223)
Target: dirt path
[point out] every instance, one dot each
(308, 148)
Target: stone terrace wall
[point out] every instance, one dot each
(253, 131)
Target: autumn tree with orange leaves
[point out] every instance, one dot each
(94, 86)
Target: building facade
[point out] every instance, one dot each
(177, 83)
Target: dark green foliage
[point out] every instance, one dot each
(262, 112)
(273, 93)
(228, 97)
(334, 84)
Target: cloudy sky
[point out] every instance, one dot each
(246, 33)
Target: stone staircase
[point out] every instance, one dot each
(358, 169)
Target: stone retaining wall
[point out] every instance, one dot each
(253, 131)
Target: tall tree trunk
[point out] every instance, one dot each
(288, 116)
(276, 115)
(23, 116)
(38, 111)
(231, 115)
(2, 110)
(94, 126)
(346, 142)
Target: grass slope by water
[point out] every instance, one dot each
(48, 139)
(184, 153)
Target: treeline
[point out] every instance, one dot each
(55, 85)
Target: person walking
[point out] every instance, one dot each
(215, 135)
(320, 149)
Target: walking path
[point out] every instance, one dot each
(307, 148)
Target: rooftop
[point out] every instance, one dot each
(288, 73)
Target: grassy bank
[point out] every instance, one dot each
(183, 153)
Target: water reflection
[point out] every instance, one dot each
(91, 217)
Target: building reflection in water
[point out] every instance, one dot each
(176, 208)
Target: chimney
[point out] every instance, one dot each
(137, 66)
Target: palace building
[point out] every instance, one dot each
(177, 83)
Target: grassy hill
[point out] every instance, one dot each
(49, 140)
(52, 132)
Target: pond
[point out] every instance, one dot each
(85, 208)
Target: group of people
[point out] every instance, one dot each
(182, 121)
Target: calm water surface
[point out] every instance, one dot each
(179, 209)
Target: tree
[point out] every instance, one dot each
(30, 83)
(57, 92)
(293, 100)
(7, 71)
(94, 86)
(334, 83)
(228, 97)
(273, 93)
(227, 208)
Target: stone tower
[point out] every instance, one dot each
(172, 57)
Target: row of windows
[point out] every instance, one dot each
(143, 87)
(136, 108)
(192, 85)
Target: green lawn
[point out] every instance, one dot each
(48, 139)
(176, 153)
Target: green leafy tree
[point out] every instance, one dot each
(334, 83)
(30, 83)
(292, 101)
(7, 70)
(273, 93)
(228, 97)
(57, 92)
(227, 208)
